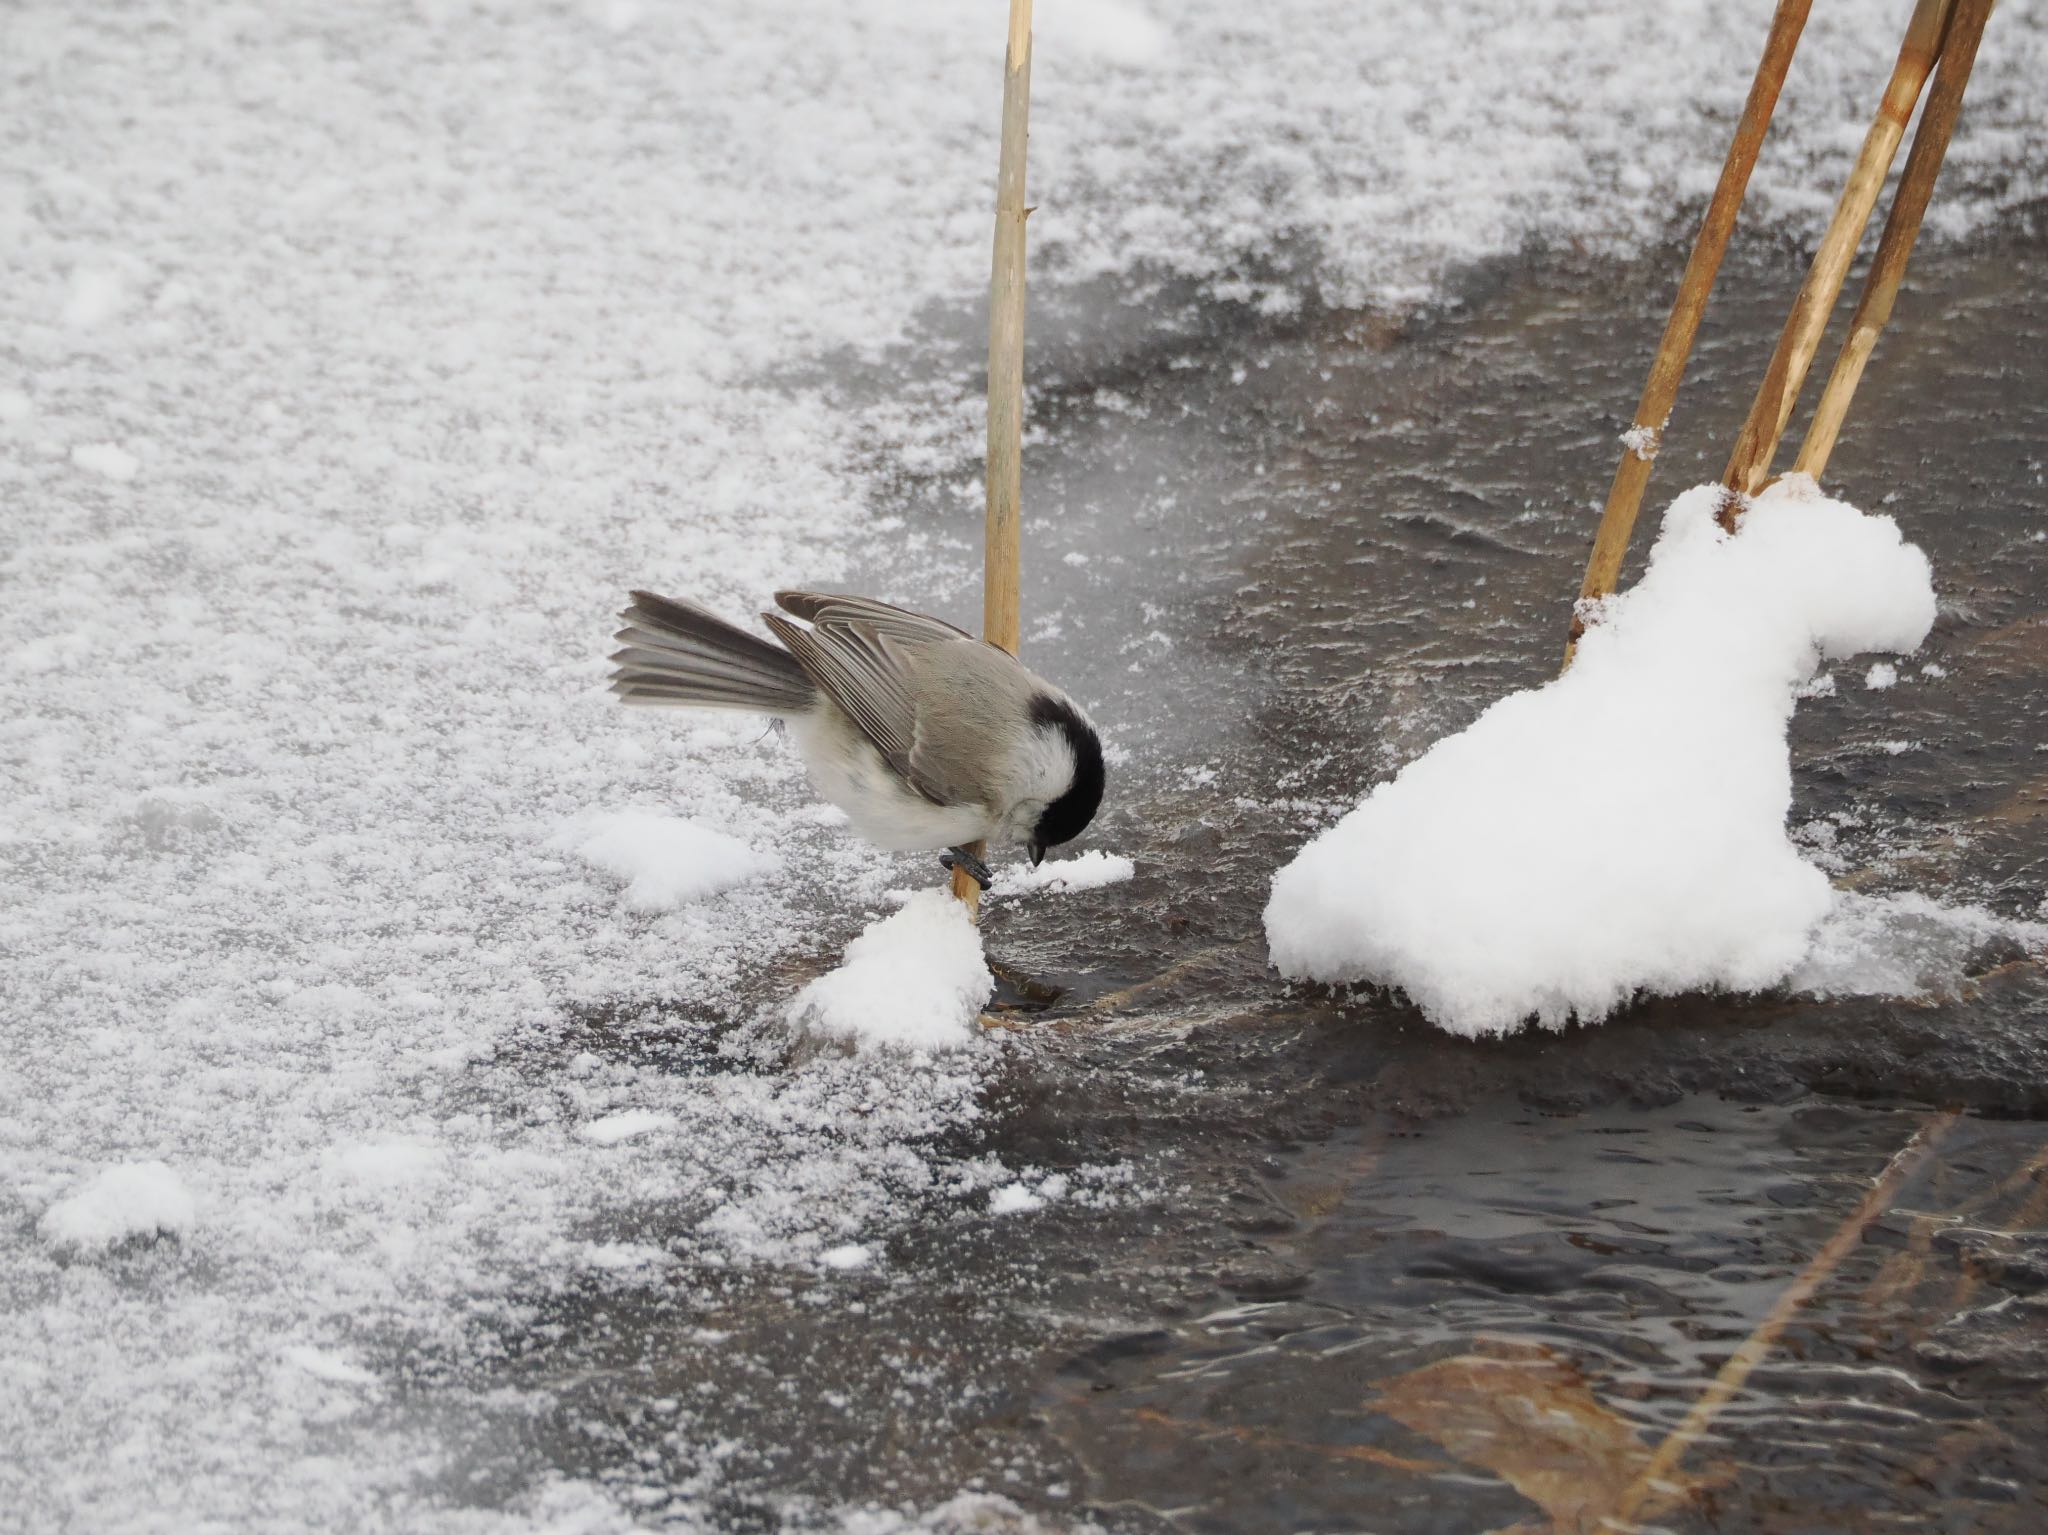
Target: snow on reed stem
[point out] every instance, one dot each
(1901, 228)
(1000, 619)
(1757, 442)
(1660, 390)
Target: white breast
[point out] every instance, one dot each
(846, 769)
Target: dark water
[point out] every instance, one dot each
(1376, 1278)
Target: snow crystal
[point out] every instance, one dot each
(665, 862)
(326, 1365)
(106, 458)
(94, 296)
(135, 1199)
(1620, 829)
(1087, 871)
(1014, 1199)
(625, 1126)
(915, 980)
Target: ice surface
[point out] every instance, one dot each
(915, 980)
(136, 1199)
(1621, 829)
(422, 332)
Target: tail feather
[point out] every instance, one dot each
(679, 655)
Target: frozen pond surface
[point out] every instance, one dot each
(381, 1149)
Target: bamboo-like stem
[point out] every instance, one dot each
(1001, 557)
(1664, 1460)
(1757, 443)
(1901, 228)
(1660, 390)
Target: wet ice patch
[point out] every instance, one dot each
(1621, 829)
(133, 1200)
(1089, 871)
(915, 980)
(664, 862)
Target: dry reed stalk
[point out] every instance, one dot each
(1757, 443)
(1663, 1463)
(1001, 557)
(1901, 228)
(1625, 496)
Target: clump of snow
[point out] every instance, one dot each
(1622, 828)
(915, 980)
(326, 1365)
(850, 1255)
(1882, 674)
(626, 1125)
(134, 1199)
(1087, 871)
(1642, 441)
(1013, 1199)
(665, 862)
(107, 459)
(93, 297)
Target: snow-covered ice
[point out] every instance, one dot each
(135, 1199)
(915, 980)
(1622, 828)
(359, 358)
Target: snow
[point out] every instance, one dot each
(327, 1365)
(1882, 674)
(626, 1126)
(1622, 828)
(915, 980)
(850, 1255)
(420, 332)
(106, 459)
(135, 1199)
(1085, 871)
(665, 862)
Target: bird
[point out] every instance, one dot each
(927, 737)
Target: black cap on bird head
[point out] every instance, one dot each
(1068, 816)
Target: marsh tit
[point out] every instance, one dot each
(924, 735)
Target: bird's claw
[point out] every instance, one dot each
(960, 858)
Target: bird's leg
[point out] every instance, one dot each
(960, 858)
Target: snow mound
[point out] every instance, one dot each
(1090, 871)
(913, 981)
(135, 1199)
(1621, 829)
(664, 861)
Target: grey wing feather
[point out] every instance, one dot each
(830, 609)
(857, 669)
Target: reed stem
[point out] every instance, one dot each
(1901, 228)
(1757, 443)
(1660, 391)
(1002, 554)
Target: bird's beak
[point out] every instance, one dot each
(1037, 854)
